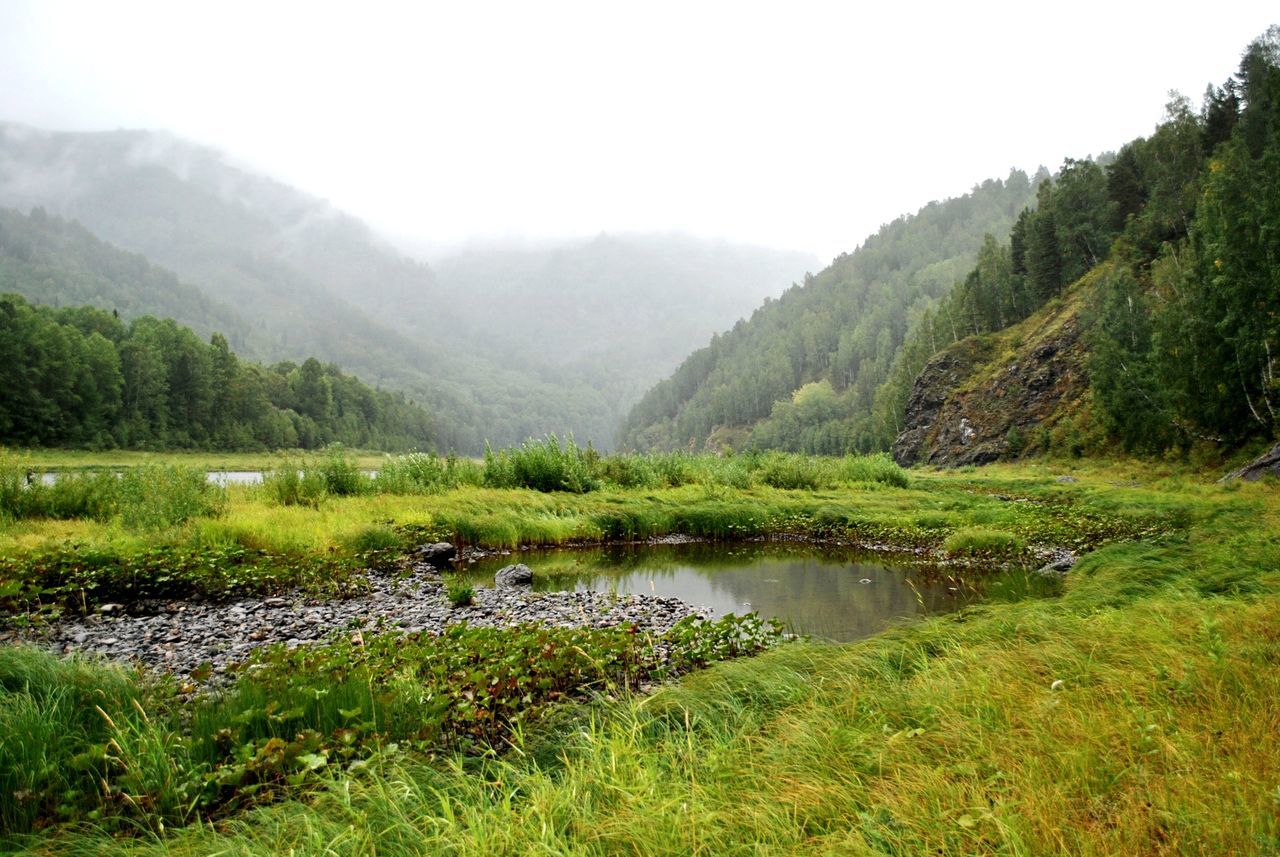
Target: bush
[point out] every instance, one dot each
(790, 472)
(342, 475)
(460, 594)
(294, 484)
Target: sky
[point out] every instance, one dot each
(790, 124)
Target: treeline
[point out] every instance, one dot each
(1186, 324)
(80, 376)
(1183, 325)
(1069, 231)
(840, 330)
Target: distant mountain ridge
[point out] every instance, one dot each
(289, 274)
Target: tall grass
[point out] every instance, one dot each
(1136, 714)
(146, 497)
(427, 473)
(545, 465)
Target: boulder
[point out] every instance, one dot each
(438, 555)
(1267, 464)
(1060, 562)
(513, 576)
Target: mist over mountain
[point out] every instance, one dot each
(512, 345)
(617, 312)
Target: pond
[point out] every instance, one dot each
(831, 594)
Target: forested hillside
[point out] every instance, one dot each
(1173, 328)
(304, 277)
(802, 372)
(55, 262)
(1186, 332)
(80, 376)
(1169, 339)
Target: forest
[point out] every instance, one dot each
(499, 342)
(82, 377)
(1182, 327)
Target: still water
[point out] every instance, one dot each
(834, 595)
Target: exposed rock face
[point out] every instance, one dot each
(513, 576)
(978, 395)
(1267, 464)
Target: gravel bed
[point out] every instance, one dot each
(179, 636)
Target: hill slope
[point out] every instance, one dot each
(303, 276)
(840, 329)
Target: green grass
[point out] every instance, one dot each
(1138, 713)
(251, 542)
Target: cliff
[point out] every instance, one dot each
(993, 396)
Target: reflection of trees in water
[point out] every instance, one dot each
(816, 592)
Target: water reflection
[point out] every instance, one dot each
(830, 595)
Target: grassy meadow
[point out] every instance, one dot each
(1137, 713)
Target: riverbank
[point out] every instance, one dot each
(185, 637)
(251, 545)
(1137, 713)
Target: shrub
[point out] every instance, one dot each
(790, 472)
(294, 484)
(341, 473)
(459, 593)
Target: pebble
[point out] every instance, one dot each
(179, 637)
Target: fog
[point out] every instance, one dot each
(804, 126)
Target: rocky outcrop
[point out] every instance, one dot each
(1267, 464)
(989, 397)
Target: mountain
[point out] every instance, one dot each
(289, 273)
(1132, 304)
(617, 312)
(830, 340)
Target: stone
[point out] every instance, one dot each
(1267, 464)
(512, 576)
(1060, 562)
(438, 555)
(1066, 480)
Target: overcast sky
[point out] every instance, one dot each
(798, 125)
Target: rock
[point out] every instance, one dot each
(988, 397)
(108, 609)
(1060, 562)
(513, 576)
(438, 555)
(1066, 480)
(183, 641)
(1267, 464)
